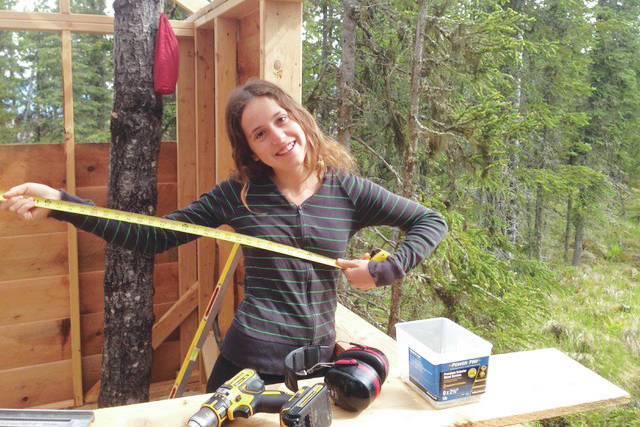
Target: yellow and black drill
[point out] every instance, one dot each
(245, 395)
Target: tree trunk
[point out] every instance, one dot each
(538, 223)
(135, 142)
(411, 149)
(577, 251)
(347, 71)
(567, 229)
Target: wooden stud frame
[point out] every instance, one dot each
(222, 44)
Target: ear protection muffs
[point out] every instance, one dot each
(354, 380)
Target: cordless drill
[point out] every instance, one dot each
(245, 395)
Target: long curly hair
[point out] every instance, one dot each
(322, 151)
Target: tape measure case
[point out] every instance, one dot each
(443, 361)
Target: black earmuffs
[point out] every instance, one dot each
(354, 380)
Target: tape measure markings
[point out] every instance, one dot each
(184, 227)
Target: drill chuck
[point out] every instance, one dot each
(205, 417)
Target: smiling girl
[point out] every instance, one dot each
(293, 185)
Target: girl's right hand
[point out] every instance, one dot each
(17, 200)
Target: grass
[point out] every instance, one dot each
(595, 317)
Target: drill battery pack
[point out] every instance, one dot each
(309, 407)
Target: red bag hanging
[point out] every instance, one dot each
(167, 59)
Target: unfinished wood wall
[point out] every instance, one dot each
(51, 298)
(35, 362)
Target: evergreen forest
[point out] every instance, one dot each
(517, 120)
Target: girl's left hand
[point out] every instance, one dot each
(357, 272)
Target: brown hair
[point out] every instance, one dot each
(322, 151)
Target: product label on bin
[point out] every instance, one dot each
(449, 380)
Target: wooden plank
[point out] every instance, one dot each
(77, 23)
(191, 6)
(34, 299)
(91, 250)
(72, 233)
(281, 63)
(226, 36)
(65, 6)
(175, 315)
(205, 156)
(166, 196)
(36, 385)
(232, 9)
(20, 163)
(92, 161)
(560, 386)
(187, 177)
(35, 343)
(249, 47)
(33, 256)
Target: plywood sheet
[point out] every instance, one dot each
(562, 388)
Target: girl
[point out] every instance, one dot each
(292, 185)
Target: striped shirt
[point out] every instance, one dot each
(288, 302)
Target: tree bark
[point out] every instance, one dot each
(567, 229)
(579, 239)
(411, 149)
(347, 71)
(135, 142)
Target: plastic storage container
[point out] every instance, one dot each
(445, 362)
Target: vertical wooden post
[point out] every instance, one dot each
(72, 233)
(205, 158)
(281, 62)
(226, 35)
(187, 177)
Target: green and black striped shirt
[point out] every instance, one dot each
(289, 302)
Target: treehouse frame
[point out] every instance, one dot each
(53, 282)
(51, 276)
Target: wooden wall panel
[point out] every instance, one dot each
(34, 343)
(92, 164)
(33, 256)
(36, 385)
(32, 300)
(14, 226)
(43, 163)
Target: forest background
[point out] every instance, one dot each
(517, 120)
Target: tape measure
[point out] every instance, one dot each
(184, 227)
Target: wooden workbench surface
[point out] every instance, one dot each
(521, 386)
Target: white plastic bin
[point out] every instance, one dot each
(445, 362)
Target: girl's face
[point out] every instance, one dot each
(274, 137)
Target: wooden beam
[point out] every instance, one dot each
(226, 36)
(191, 6)
(205, 158)
(72, 232)
(187, 176)
(235, 9)
(281, 63)
(174, 316)
(77, 23)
